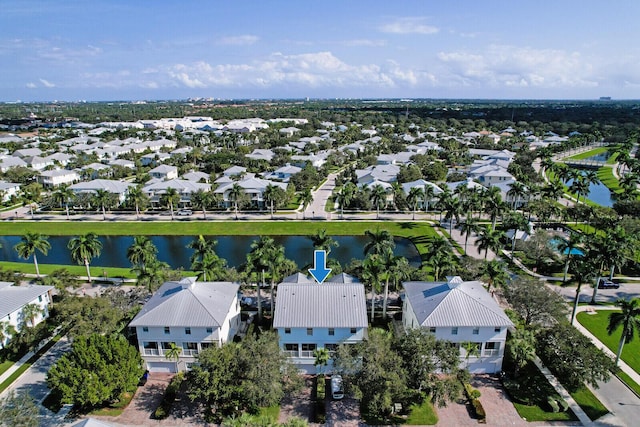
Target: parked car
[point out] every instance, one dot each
(607, 284)
(185, 212)
(337, 387)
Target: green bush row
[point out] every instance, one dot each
(557, 404)
(474, 396)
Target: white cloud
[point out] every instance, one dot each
(365, 42)
(31, 85)
(238, 40)
(408, 25)
(511, 66)
(47, 83)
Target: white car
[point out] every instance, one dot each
(337, 387)
(185, 212)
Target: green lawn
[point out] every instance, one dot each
(589, 403)
(423, 414)
(597, 325)
(590, 153)
(629, 382)
(75, 270)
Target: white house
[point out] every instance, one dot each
(55, 177)
(309, 316)
(164, 172)
(119, 188)
(254, 188)
(463, 313)
(8, 190)
(192, 315)
(185, 189)
(14, 298)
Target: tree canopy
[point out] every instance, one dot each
(98, 369)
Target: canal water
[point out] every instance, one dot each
(234, 249)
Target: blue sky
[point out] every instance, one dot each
(117, 50)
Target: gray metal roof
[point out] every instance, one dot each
(12, 298)
(343, 278)
(311, 305)
(454, 304)
(297, 278)
(188, 303)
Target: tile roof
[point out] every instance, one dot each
(454, 303)
(309, 305)
(188, 303)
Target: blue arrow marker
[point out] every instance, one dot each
(319, 270)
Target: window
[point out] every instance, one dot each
(209, 330)
(331, 348)
(40, 298)
(454, 331)
(187, 331)
(291, 350)
(309, 331)
(497, 329)
(167, 330)
(190, 348)
(145, 329)
(353, 330)
(432, 330)
(491, 348)
(287, 330)
(332, 331)
(476, 331)
(307, 350)
(206, 345)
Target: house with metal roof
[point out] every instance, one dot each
(14, 298)
(310, 316)
(192, 315)
(463, 313)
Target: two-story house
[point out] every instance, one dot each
(463, 313)
(189, 314)
(14, 298)
(310, 316)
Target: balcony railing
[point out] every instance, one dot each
(491, 352)
(189, 353)
(306, 353)
(151, 352)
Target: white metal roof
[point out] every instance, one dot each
(308, 305)
(454, 304)
(188, 303)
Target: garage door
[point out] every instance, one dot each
(166, 367)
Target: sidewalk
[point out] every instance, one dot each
(6, 374)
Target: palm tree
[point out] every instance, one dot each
(468, 227)
(517, 192)
(137, 198)
(391, 264)
(489, 239)
(269, 196)
(345, 196)
(372, 270)
(212, 266)
(522, 348)
(29, 244)
(452, 210)
(582, 270)
(7, 330)
(378, 197)
(235, 194)
(429, 194)
(30, 314)
(493, 204)
(515, 221)
(204, 256)
(379, 242)
(580, 187)
(398, 270)
(321, 241)
(628, 318)
(64, 195)
(201, 199)
(141, 252)
(439, 256)
(84, 248)
(173, 352)
(103, 199)
(322, 357)
(566, 247)
(306, 197)
(416, 194)
(171, 198)
(496, 273)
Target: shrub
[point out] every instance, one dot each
(553, 405)
(170, 394)
(564, 406)
(479, 409)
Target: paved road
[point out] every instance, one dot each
(33, 380)
(623, 404)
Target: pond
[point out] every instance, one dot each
(598, 193)
(234, 249)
